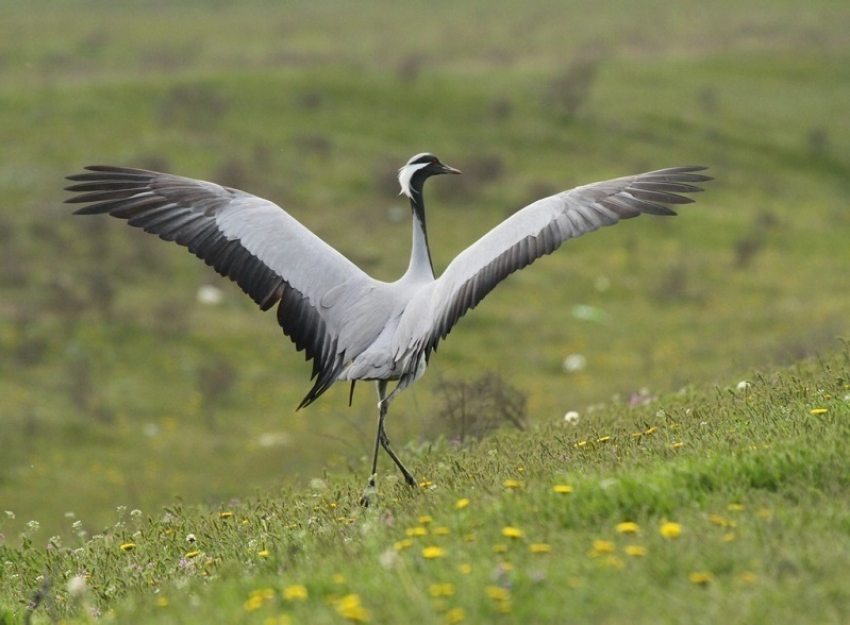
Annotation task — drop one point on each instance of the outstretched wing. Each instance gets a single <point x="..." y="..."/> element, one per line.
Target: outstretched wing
<point x="252" y="241"/>
<point x="540" y="228"/>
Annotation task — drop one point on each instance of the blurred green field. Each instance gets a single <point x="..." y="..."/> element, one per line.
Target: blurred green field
<point x="103" y="343"/>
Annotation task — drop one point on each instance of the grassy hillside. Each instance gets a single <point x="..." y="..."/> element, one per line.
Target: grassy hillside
<point x="714" y="504"/>
<point x="105" y="348"/>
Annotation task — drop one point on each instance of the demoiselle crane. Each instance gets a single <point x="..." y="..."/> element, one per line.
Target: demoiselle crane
<point x="352" y="326"/>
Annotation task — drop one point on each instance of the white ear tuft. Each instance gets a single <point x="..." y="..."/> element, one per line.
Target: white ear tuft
<point x="405" y="175"/>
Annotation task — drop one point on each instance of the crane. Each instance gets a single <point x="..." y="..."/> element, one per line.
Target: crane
<point x="352" y="326"/>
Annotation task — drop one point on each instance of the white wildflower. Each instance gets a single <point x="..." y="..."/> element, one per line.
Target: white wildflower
<point x="77" y="587"/>
<point x="574" y="363"/>
<point x="388" y="558"/>
<point x="209" y="295"/>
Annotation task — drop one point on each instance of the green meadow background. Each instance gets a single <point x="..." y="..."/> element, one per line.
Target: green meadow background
<point x="119" y="387"/>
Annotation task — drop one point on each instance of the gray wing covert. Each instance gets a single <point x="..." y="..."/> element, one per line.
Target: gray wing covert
<point x="540" y="228"/>
<point x="268" y="253"/>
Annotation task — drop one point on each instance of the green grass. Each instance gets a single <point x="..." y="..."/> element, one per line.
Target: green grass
<point x="755" y="477"/>
<point x="104" y="348"/>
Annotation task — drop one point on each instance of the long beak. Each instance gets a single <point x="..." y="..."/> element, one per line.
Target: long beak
<point x="450" y="170"/>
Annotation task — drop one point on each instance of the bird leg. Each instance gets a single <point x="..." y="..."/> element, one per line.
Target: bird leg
<point x="385" y="443"/>
<point x="381" y="440"/>
<point x="371" y="486"/>
<point x="382" y="434"/>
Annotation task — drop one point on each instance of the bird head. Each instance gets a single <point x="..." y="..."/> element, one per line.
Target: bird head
<point x="414" y="173"/>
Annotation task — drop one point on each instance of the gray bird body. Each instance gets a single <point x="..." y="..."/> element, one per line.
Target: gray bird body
<point x="352" y="326"/>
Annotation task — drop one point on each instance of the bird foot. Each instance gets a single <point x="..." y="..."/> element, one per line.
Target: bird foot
<point x="410" y="480"/>
<point x="370" y="493"/>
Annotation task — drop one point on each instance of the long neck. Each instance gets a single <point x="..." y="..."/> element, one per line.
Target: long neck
<point x="420" y="255"/>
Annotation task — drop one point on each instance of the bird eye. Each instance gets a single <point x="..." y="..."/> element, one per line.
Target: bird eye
<point x="434" y="161"/>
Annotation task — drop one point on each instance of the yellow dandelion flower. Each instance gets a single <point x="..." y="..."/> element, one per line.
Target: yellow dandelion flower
<point x="256" y="599"/>
<point x="580" y="444"/>
<point x="425" y="519"/>
<point x="263" y="553"/>
<point x="497" y="593"/>
<point x="562" y="489"/>
<point x="295" y="592"/>
<point x="728" y="537"/>
<point x="416" y="531"/>
<point x="512" y="484"/>
<point x="245" y="521"/>
<point x="192" y="554"/>
<point x="817" y="411"/>
<point x="700" y="577"/>
<point x="455" y="615"/>
<point x="351" y="608"/>
<point x="442" y="531"/>
<point x="636" y="551"/>
<point x="603" y="439"/>
<point x="627" y="527"/>
<point x="512" y="532"/>
<point x="716" y="519"/>
<point x="162" y="602"/>
<point x="441" y="590"/>
<point x="671" y="530"/>
<point x="128" y="546"/>
<point x="403" y="544"/>
<point x="676" y="445"/>
<point x="601" y="547"/>
<point x="465" y="569"/>
<point x="226" y="514"/>
<point x="735" y="507"/>
<point x="460" y="504"/>
<point x="539" y="548"/>
<point x="430" y="553"/>
<point x="426" y="484"/>
<point x="650" y="430"/>
<point x="604" y="546"/>
<point x="637" y="434"/>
